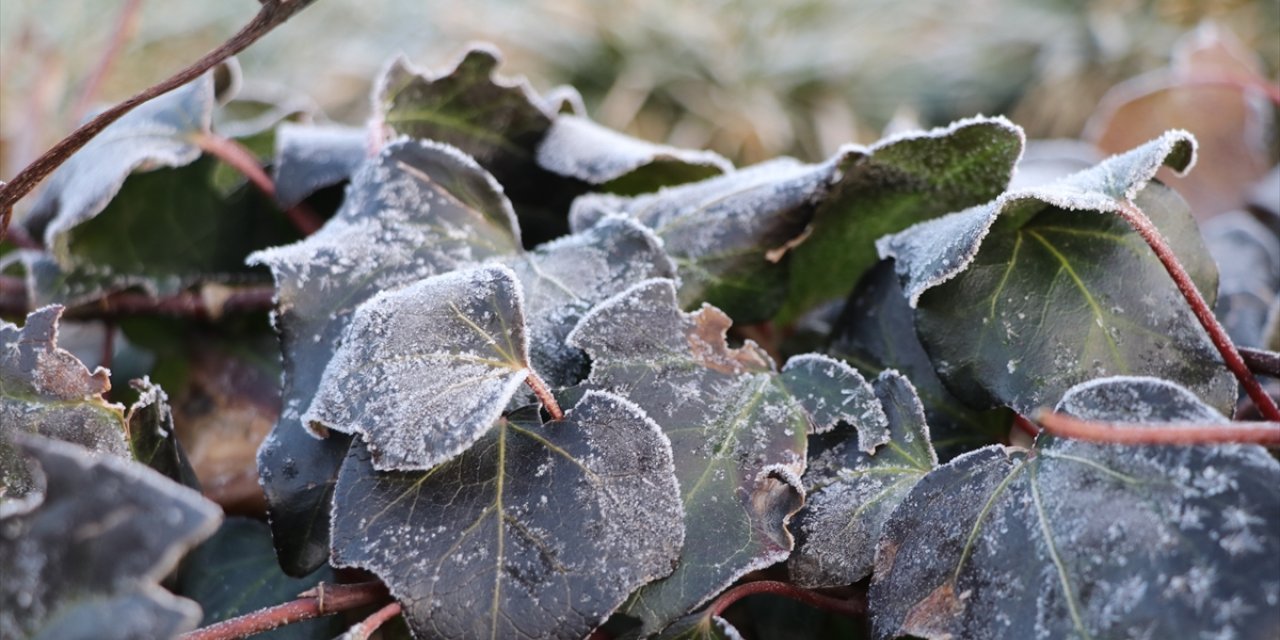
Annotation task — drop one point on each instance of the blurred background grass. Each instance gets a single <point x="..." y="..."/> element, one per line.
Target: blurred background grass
<point x="750" y="79"/>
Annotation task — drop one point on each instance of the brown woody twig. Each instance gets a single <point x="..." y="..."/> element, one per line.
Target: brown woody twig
<point x="1261" y="362"/>
<point x="544" y="396"/>
<point x="238" y="157"/>
<point x="1266" y="434"/>
<point x="366" y="627"/>
<point x="322" y="601"/>
<point x="210" y="303"/>
<point x="272" y="14"/>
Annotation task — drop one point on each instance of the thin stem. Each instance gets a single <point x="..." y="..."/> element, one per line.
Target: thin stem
<point x="272" y="14"/>
<point x="847" y="608"/>
<point x="108" y="345"/>
<point x="1026" y="426"/>
<point x="365" y="628"/>
<point x="1143" y="225"/>
<point x="1266" y="434"/>
<point x="240" y="158"/>
<point x="210" y="303"/>
<point x="544" y="396"/>
<point x="1262" y="362"/>
<point x="119" y="35"/>
<point x="322" y="601"/>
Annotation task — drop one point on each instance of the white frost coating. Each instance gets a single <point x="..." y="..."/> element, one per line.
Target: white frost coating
<point x="932" y="252"/>
<point x="1139" y="399"/>
<point x="427" y="369"/>
<point x="582" y="149"/>
<point x="830" y="391"/>
<point x="311" y="157"/>
<point x="944" y="132"/>
<point x="598" y="314"/>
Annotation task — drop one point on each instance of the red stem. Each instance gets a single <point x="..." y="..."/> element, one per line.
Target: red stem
<point x="211" y="303"/>
<point x="240" y="158"/>
<point x="321" y="601"/>
<point x="366" y="628"/>
<point x="123" y="29"/>
<point x="1262" y="362"/>
<point x="1142" y="224"/>
<point x="269" y="16"/>
<point x="543" y="394"/>
<point x="847" y="608"/>
<point x="1026" y="426"/>
<point x="1266" y="434"/>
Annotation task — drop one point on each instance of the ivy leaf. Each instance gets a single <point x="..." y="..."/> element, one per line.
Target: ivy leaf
<point x="897" y="182"/>
<point x="537" y="531"/>
<point x="1088" y="540"/>
<point x="875" y="332"/>
<point x="579" y="148"/>
<point x="1248" y="257"/>
<point x="235" y="572"/>
<point x="561" y="280"/>
<point x="44" y="389"/>
<point x="435" y="364"/>
<point x="152" y="437"/>
<point x="1018" y="300"/>
<point x="415" y="210"/>
<point x="312" y="157"/>
<point x="736" y="426"/>
<point x="85" y="561"/>
<point x="850" y="493"/>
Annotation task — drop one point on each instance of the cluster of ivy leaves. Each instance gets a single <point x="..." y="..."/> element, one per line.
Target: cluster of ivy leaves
<point x="485" y="239"/>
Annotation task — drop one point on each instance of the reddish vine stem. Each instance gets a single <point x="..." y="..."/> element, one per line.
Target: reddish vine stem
<point x="240" y="158"/>
<point x="848" y="608"/>
<point x="1143" y="225"/>
<point x="209" y="304"/>
<point x="544" y="396"/>
<point x="1026" y="426"/>
<point x="322" y="601"/>
<point x="1262" y="362"/>
<point x="366" y="627"/>
<point x="272" y="14"/>
<point x="1266" y="434"/>
<point x="125" y="22"/>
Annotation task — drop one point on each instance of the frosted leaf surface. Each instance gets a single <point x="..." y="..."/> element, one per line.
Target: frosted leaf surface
<point x="850" y="493"/>
<point x="85" y="563"/>
<point x="737" y="432"/>
<point x="312" y="157"/>
<point x="1020" y="299"/>
<point x="45" y="389"/>
<point x="899" y="181"/>
<point x="427" y="368"/>
<point x="1088" y="540"/>
<point x="537" y="531"/>
<point x="152" y="437"/>
<point x="563" y="279"/>
<point x="415" y="210"/>
<point x="579" y="148"/>
<point x="1248" y="257"/>
<point x="298" y="474"/>
<point x="719" y="231"/>
<point x="831" y="391"/>
<point x="876" y="331"/>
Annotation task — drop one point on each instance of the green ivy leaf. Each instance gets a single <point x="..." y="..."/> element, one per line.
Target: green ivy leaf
<point x="83" y="563"/>
<point x="537" y="531"/>
<point x="152" y="437"/>
<point x="298" y="474"/>
<point x="850" y="493"/>
<point x="1247" y="253"/>
<point x="896" y="183"/>
<point x="875" y="332"/>
<point x="235" y="572"/>
<point x="1019" y="299"/>
<point x="737" y="429"/>
<point x="1088" y="540"/>
<point x="46" y="390"/>
<point x="311" y="157"/>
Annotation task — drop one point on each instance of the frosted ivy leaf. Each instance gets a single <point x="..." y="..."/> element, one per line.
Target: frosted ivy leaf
<point x="537" y="531"/>
<point x="152" y="437"/>
<point x="85" y="562"/>
<point x="1248" y="257"/>
<point x="44" y="389"/>
<point x="415" y="210"/>
<point x="894" y="183"/>
<point x="1075" y="539"/>
<point x="427" y="368"/>
<point x="577" y="147"/>
<point x="311" y="157"/>
<point x="852" y="493"/>
<point x="721" y="231"/>
<point x="563" y="279"/>
<point x="1041" y="289"/>
<point x="736" y="426"/>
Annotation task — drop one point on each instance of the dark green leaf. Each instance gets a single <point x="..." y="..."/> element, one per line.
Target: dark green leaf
<point x="896" y="183"/>
<point x="235" y="572"/>
<point x="1020" y="299"/>
<point x="44" y="389"/>
<point x="311" y="157"/>
<point x="1248" y="257"/>
<point x="737" y="430"/>
<point x="876" y="332"/>
<point x="1075" y="539"/>
<point x="152" y="437"/>
<point x="850" y="493"/>
<point x="428" y="368"/>
<point x="298" y="474"/>
<point x="537" y="531"/>
<point x="84" y="562"/>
